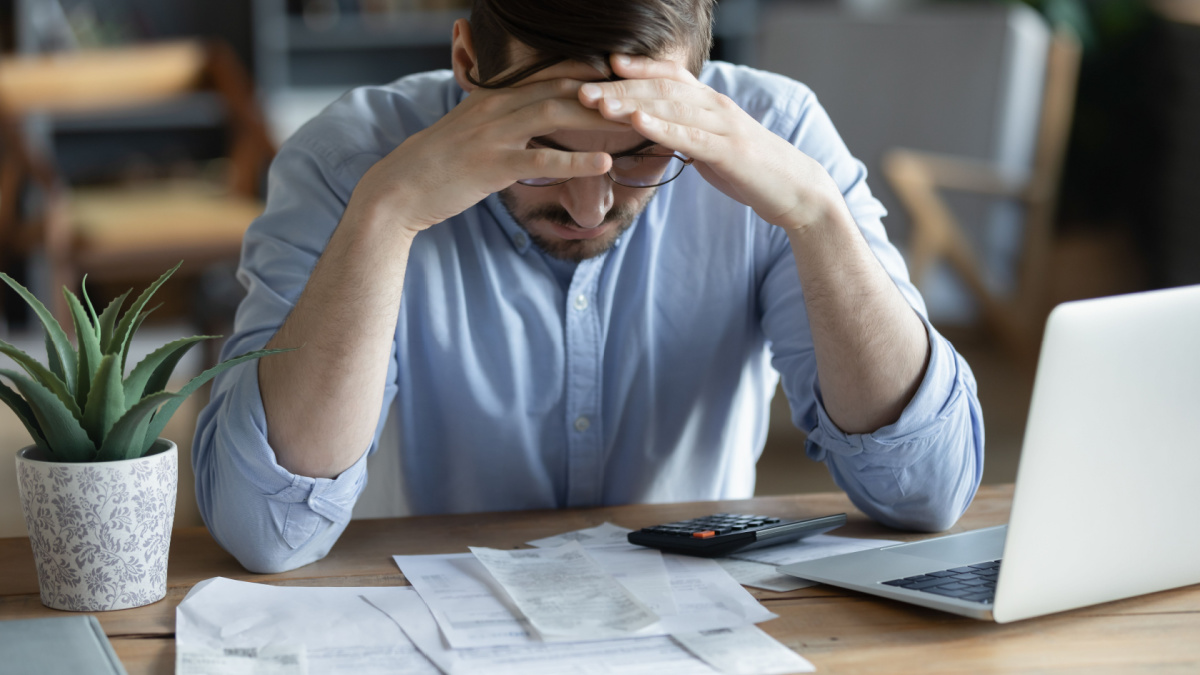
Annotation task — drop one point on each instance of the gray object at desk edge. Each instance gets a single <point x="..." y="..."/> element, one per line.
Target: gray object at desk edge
<point x="64" y="645"/>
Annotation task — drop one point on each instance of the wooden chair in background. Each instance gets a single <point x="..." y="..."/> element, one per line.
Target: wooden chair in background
<point x="125" y="233"/>
<point x="917" y="177"/>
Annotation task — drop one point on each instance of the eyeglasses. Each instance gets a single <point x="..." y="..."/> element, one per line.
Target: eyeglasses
<point x="635" y="170"/>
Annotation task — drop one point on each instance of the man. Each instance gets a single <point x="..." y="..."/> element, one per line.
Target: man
<point x="572" y="268"/>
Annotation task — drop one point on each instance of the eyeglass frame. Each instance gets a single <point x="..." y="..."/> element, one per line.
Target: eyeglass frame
<point x="687" y="161"/>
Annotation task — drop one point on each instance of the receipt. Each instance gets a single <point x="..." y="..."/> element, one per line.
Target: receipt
<point x="641" y="570"/>
<point x="565" y="594"/>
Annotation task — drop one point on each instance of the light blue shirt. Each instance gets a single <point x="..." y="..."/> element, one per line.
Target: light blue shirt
<point x="644" y="376"/>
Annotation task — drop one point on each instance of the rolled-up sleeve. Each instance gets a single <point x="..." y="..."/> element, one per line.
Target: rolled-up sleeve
<point x="269" y="518"/>
<point x="922" y="471"/>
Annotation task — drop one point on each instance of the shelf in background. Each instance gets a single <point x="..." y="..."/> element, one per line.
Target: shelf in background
<point x="412" y="29"/>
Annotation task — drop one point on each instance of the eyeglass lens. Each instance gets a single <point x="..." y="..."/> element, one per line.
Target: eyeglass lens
<point x="632" y="171"/>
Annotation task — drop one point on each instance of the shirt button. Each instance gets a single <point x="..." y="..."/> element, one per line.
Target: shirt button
<point x="520" y="240"/>
<point x="581" y="302"/>
<point x="582" y="423"/>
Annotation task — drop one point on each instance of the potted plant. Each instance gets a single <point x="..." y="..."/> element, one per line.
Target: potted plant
<point x="98" y="484"/>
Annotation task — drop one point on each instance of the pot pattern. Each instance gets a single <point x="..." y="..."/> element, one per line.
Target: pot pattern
<point x="100" y="531"/>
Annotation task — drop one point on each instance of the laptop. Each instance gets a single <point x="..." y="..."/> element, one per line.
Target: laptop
<point x="1107" y="500"/>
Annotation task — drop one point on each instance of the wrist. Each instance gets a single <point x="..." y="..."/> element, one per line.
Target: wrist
<point x="381" y="221"/>
<point x="813" y="210"/>
<point x="815" y="198"/>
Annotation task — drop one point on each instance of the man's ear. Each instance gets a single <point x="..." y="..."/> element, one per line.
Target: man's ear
<point x="462" y="55"/>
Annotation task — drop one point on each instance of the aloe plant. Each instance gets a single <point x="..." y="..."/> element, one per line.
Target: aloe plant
<point x="81" y="406"/>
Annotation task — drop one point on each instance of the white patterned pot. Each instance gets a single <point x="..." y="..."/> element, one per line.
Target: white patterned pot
<point x="100" y="530"/>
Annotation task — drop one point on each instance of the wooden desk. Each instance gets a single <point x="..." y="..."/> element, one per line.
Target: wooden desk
<point x="839" y="631"/>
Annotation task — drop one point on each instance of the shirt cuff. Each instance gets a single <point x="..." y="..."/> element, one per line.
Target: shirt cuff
<point x="935" y="398"/>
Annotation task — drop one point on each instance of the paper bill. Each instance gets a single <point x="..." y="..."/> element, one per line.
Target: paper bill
<point x="642" y="571"/>
<point x="565" y="594"/>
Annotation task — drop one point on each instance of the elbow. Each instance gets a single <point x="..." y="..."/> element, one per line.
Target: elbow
<point x="261" y="560"/>
<point x="934" y="506"/>
<point x="264" y="551"/>
<point x="928" y="496"/>
<point x="256" y="532"/>
<point x="927" y="517"/>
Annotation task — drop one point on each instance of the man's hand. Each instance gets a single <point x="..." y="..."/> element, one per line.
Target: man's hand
<point x="664" y="102"/>
<point x="871" y="348"/>
<point x="481" y="147"/>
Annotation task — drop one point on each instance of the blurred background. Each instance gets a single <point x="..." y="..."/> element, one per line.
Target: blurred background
<point x="1028" y="152"/>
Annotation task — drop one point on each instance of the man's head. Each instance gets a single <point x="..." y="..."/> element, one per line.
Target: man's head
<point x="512" y="42"/>
<point x="586" y="31"/>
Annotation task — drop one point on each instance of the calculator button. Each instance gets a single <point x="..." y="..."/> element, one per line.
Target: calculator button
<point x="707" y="534"/>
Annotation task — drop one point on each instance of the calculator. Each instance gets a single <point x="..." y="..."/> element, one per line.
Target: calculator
<point x="725" y="533"/>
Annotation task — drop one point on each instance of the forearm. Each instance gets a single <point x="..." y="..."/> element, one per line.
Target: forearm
<point x="322" y="400"/>
<point x="871" y="348"/>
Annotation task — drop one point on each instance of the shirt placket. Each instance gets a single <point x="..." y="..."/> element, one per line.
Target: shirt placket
<point x="584" y="428"/>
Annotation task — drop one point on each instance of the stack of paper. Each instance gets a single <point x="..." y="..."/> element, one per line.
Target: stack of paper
<point x="583" y="602"/>
<point x="615" y="607"/>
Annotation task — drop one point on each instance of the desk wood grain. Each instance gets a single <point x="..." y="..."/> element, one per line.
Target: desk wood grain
<point x="839" y="631"/>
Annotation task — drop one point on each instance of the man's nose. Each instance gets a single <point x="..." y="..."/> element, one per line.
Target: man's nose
<point x="588" y="200"/>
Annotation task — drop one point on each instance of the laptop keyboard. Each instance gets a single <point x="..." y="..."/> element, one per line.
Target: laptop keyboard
<point x="976" y="583"/>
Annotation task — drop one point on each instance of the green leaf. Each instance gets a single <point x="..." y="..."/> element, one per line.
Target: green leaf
<point x="24" y="413"/>
<point x="64" y="434"/>
<point x="125" y="327"/>
<point x="91" y="310"/>
<point x="53" y="362"/>
<point x="164" y="415"/>
<point x="89" y="347"/>
<point x="151" y="375"/>
<point x="106" y="403"/>
<point x="43" y="376"/>
<point x="63" y="352"/>
<point x="124" y="439"/>
<point x="108" y="320"/>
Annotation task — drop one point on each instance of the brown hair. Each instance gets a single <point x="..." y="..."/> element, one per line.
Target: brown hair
<point x="587" y="31"/>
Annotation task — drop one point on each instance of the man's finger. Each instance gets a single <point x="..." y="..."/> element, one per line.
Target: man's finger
<point x="592" y="93"/>
<point x="643" y="67"/>
<point x="672" y="111"/>
<point x="550" y="163"/>
<point x="496" y="102"/>
<point x="541" y="118"/>
<point x="692" y="141"/>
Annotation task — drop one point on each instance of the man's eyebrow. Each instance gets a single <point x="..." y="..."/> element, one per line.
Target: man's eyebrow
<point x="545" y="142"/>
